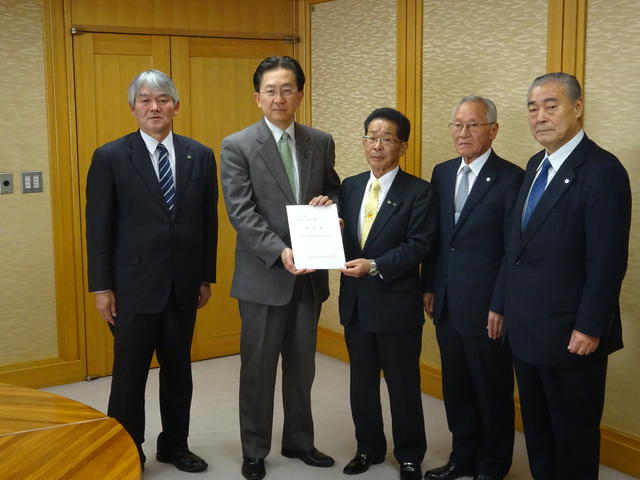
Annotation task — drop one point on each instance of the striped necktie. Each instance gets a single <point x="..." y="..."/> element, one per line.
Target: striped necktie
<point x="166" y="177"/>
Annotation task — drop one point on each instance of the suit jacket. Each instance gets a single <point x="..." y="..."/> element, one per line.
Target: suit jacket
<point x="463" y="270"/>
<point x="564" y="271"/>
<point x="256" y="192"/>
<point x="400" y="237"/>
<point x="135" y="246"/>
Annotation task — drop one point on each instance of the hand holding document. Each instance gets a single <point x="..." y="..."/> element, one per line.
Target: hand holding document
<point x="316" y="238"/>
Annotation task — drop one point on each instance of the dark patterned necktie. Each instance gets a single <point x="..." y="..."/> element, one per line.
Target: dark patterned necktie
<point x="536" y="192"/>
<point x="166" y="177"/>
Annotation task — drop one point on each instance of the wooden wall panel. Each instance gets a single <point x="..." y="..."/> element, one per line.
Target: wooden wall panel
<point x="247" y="16"/>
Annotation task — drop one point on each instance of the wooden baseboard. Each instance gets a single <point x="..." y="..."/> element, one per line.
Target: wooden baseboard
<point x="43" y="373"/>
<point x="618" y="450"/>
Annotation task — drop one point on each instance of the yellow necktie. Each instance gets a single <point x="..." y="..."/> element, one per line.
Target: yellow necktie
<point x="370" y="210"/>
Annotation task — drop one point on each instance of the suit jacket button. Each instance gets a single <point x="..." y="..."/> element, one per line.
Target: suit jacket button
<point x="518" y="261"/>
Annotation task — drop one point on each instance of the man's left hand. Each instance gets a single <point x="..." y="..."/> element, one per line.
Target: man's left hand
<point x="320" y="201"/>
<point x="205" y="294"/>
<point x="582" y="344"/>
<point x="495" y="323"/>
<point x="356" y="268"/>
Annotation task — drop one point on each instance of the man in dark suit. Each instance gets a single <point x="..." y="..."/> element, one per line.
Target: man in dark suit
<point x="566" y="259"/>
<point x="265" y="167"/>
<point x="476" y="192"/>
<point x="151" y="248"/>
<point x="390" y="225"/>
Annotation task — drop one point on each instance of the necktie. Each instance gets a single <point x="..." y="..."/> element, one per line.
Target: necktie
<point x="370" y="210"/>
<point x="166" y="177"/>
<point x="536" y="192"/>
<point x="462" y="193"/>
<point x="287" y="160"/>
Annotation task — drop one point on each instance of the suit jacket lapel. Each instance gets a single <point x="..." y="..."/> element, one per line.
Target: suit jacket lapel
<point x="270" y="155"/>
<point x="486" y="179"/>
<point x="184" y="165"/>
<point x="561" y="181"/>
<point x="388" y="207"/>
<point x="352" y="214"/>
<point x="139" y="156"/>
<point x="447" y="192"/>
<point x="304" y="152"/>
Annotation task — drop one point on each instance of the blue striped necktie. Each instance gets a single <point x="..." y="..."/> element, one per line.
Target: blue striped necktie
<point x="536" y="192"/>
<point x="166" y="177"/>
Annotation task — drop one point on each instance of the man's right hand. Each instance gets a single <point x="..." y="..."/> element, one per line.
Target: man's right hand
<point x="106" y="305"/>
<point x="287" y="260"/>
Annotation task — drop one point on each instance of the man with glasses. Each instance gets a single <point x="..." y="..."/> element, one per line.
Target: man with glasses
<point x="476" y="192"/>
<point x="390" y="225"/>
<point x="565" y="262"/>
<point x="265" y="167"/>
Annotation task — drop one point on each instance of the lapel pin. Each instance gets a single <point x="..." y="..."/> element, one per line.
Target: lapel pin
<point x="566" y="180"/>
<point x="488" y="179"/>
<point x="189" y="157"/>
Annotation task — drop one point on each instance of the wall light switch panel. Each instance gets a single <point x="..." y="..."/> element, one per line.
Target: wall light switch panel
<point x="31" y="182"/>
<point x="6" y="183"/>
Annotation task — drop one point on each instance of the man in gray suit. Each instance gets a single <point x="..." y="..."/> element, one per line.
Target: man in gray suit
<point x="265" y="167"/>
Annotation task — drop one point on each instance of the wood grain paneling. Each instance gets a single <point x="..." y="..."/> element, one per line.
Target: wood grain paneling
<point x="248" y="16"/>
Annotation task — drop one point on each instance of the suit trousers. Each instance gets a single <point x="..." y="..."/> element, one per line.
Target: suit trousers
<point x="269" y="332"/>
<point x="477" y="384"/>
<point x="561" y="412"/>
<point x="136" y="336"/>
<point x="397" y="354"/>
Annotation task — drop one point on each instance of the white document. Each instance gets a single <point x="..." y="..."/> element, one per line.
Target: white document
<point x="316" y="238"/>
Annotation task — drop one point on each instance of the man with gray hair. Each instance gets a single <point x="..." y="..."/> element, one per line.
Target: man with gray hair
<point x="151" y="248"/>
<point x="565" y="262"/>
<point x="475" y="193"/>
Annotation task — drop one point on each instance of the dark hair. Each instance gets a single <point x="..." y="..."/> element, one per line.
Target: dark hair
<point x="402" y="123"/>
<point x="272" y="63"/>
<point x="570" y="84"/>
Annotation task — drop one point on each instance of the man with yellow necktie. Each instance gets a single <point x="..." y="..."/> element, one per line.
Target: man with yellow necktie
<point x="390" y="226"/>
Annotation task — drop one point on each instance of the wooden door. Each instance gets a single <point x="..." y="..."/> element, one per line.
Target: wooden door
<point x="104" y="65"/>
<point x="214" y="77"/>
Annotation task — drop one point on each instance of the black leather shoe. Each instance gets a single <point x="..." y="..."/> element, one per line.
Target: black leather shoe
<point x="313" y="457"/>
<point x="410" y="471"/>
<point x="253" y="468"/>
<point x="450" y="471"/>
<point x="360" y="464"/>
<point x="183" y="460"/>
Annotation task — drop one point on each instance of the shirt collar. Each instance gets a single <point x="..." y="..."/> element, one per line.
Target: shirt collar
<point x="277" y="131"/>
<point x="477" y="164"/>
<point x="152" y="143"/>
<point x="385" y="180"/>
<point x="557" y="158"/>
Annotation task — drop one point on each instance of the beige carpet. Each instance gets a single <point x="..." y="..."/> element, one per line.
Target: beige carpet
<point x="214" y="426"/>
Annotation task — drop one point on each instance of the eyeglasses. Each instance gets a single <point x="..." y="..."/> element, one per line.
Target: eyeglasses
<point x="385" y="141"/>
<point x="285" y="92"/>
<point x="457" y="127"/>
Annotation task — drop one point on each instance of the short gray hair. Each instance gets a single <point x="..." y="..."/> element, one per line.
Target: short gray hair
<point x="490" y="107"/>
<point x="155" y="80"/>
<point x="570" y="84"/>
